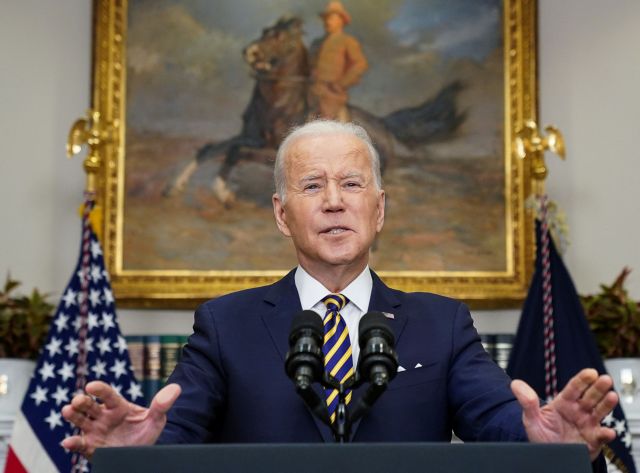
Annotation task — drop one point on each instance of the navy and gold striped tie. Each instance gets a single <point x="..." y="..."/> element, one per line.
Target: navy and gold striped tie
<point x="338" y="361"/>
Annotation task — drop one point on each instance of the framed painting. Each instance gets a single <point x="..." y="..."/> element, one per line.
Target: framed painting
<point x="187" y="88"/>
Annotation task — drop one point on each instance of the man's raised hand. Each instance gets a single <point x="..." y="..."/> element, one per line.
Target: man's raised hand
<point x="574" y="415"/>
<point x="115" y="421"/>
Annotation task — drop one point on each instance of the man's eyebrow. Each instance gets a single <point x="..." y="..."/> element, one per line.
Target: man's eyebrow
<point x="310" y="177"/>
<point x="352" y="174"/>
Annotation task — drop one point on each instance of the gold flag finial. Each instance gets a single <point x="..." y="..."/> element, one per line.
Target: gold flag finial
<point x="531" y="144"/>
<point x="93" y="132"/>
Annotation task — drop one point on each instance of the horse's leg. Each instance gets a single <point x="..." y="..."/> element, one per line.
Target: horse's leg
<point x="205" y="153"/>
<point x="179" y="183"/>
<point x="219" y="186"/>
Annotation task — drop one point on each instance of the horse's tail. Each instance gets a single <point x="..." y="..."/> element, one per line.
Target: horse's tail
<point x="435" y="119"/>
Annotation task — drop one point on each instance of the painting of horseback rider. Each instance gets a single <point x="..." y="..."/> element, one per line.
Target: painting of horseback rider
<point x="293" y="85"/>
<point x="212" y="91"/>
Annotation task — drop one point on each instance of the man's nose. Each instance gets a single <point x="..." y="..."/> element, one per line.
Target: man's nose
<point x="333" y="198"/>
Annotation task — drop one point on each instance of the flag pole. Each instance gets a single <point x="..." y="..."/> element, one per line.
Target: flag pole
<point x="93" y="132"/>
<point x="96" y="133"/>
<point x="531" y="145"/>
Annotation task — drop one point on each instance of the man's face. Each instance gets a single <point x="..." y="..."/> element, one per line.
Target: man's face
<point x="333" y="209"/>
<point x="333" y="22"/>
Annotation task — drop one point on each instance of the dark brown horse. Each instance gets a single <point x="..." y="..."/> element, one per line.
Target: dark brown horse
<point x="278" y="61"/>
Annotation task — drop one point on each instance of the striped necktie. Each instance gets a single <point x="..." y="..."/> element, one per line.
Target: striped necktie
<point x="338" y="361"/>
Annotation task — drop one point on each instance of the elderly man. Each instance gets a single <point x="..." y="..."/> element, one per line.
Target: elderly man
<point x="231" y="386"/>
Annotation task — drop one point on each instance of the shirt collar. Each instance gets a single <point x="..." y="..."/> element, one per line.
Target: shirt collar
<point x="311" y="291"/>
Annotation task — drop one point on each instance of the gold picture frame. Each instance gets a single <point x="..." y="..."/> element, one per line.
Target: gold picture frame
<point x="185" y="288"/>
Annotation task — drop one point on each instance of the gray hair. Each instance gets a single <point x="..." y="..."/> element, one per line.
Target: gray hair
<point x="319" y="128"/>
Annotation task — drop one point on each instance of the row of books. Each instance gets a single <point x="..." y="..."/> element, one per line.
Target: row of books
<point x="499" y="346"/>
<point x="153" y="358"/>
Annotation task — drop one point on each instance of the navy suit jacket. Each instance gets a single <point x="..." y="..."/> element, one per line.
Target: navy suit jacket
<point x="234" y="386"/>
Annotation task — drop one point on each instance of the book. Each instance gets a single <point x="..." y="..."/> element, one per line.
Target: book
<point x="135" y="344"/>
<point x="502" y="349"/>
<point x="498" y="346"/>
<point x="152" y="373"/>
<point x="153" y="359"/>
<point x="488" y="341"/>
<point x="170" y="350"/>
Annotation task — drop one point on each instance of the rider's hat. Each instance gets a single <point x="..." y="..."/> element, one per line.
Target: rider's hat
<point x="336" y="7"/>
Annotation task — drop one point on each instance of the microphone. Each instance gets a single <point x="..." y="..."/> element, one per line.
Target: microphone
<point x="378" y="362"/>
<point x="304" y="360"/>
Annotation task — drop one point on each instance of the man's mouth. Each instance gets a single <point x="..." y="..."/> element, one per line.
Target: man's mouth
<point x="335" y="230"/>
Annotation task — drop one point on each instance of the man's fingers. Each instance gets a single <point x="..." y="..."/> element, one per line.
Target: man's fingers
<point x="526" y="396"/>
<point x="75" y="443"/>
<point x="86" y="405"/>
<point x="605" y="435"/>
<point x="163" y="401"/>
<point x="577" y="385"/>
<point x="596" y="392"/>
<point x="606" y="405"/>
<point x="76" y="417"/>
<point x="108" y="395"/>
<point x="78" y="443"/>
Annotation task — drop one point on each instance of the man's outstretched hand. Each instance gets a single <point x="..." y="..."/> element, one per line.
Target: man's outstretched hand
<point x="116" y="421"/>
<point x="574" y="415"/>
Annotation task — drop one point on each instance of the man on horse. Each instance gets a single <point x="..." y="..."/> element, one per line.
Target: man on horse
<point x="337" y="63"/>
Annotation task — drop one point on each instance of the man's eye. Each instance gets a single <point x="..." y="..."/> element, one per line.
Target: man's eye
<point x="311" y="187"/>
<point x="352" y="184"/>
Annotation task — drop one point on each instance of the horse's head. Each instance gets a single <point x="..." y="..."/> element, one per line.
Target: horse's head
<point x="277" y="42"/>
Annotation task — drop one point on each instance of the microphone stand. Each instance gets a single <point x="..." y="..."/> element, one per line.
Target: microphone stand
<point x="341" y="426"/>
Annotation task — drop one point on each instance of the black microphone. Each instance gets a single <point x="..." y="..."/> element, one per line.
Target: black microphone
<point x="304" y="360"/>
<point x="378" y="361"/>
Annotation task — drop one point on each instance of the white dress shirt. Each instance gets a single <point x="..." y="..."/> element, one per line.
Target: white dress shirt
<point x="311" y="293"/>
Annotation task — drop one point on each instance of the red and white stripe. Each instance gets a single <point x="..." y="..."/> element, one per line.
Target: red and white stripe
<point x="26" y="453"/>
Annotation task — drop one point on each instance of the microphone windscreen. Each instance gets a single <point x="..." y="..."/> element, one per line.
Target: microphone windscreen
<point x="307" y="319"/>
<point x="374" y="321"/>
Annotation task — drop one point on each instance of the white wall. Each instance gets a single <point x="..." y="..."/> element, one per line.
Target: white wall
<point x="589" y="76"/>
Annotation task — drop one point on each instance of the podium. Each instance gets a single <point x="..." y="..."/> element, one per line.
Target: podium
<point x="351" y="458"/>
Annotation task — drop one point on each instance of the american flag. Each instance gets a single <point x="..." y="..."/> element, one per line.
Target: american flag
<point x="575" y="347"/>
<point x="84" y="344"/>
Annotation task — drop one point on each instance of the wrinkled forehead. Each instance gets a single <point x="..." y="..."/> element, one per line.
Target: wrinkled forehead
<point x="328" y="146"/>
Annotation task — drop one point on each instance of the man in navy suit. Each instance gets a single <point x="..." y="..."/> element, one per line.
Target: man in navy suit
<point x="231" y="385"/>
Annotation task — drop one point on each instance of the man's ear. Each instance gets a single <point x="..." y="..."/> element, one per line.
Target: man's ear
<point x="380" y="209"/>
<point x="280" y="215"/>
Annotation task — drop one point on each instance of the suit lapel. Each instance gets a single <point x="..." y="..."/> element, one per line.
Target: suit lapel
<point x="285" y="302"/>
<point x="383" y="299"/>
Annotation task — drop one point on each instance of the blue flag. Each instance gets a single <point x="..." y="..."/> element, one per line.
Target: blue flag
<point x="575" y="346"/>
<point x="84" y="344"/>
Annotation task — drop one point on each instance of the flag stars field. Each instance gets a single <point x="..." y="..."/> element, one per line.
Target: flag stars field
<point x="39" y="427"/>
